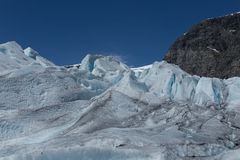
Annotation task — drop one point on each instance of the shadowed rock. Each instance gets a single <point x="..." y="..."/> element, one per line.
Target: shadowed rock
<point x="210" y="48"/>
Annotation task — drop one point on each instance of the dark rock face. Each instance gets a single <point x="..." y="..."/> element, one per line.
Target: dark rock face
<point x="211" y="48"/>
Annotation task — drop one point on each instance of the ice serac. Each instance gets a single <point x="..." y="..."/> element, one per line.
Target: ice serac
<point x="102" y="109"/>
<point x="166" y="80"/>
<point x="169" y="81"/>
<point x="160" y="79"/>
<point x="209" y="90"/>
<point x="87" y="63"/>
<point x="105" y="67"/>
<point x="36" y="56"/>
<point x="233" y="87"/>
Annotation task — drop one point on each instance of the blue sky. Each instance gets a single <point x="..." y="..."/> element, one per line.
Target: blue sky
<point x="139" y="31"/>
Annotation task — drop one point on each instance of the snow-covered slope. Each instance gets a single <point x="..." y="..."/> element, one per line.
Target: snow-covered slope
<point x="102" y="109"/>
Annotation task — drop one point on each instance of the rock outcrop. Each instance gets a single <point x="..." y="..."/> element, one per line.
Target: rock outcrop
<point x="210" y="48"/>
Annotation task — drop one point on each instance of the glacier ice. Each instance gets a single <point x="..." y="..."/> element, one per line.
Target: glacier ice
<point x="102" y="109"/>
<point x="38" y="59"/>
<point x="12" y="57"/>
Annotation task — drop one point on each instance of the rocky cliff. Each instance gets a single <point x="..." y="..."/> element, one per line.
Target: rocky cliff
<point x="210" y="48"/>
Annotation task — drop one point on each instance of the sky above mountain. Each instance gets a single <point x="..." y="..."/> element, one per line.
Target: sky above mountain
<point x="139" y="31"/>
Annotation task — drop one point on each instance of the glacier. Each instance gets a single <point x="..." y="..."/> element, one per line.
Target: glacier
<point x="103" y="109"/>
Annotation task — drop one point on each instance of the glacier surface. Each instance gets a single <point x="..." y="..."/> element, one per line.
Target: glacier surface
<point x="103" y="109"/>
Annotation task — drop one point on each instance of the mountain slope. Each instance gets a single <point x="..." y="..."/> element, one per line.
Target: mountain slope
<point x="210" y="48"/>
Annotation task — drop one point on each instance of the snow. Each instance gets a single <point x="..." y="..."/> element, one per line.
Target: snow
<point x="213" y="49"/>
<point x="232" y="14"/>
<point x="87" y="153"/>
<point x="102" y="109"/>
<point x="139" y="70"/>
<point x="232" y="30"/>
<point x="231" y="155"/>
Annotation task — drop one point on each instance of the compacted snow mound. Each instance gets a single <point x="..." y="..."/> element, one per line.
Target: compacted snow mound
<point x="102" y="109"/>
